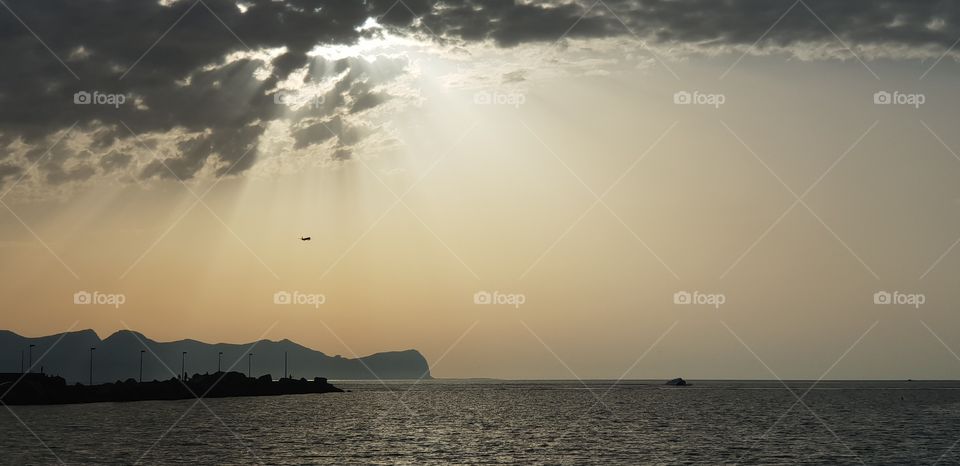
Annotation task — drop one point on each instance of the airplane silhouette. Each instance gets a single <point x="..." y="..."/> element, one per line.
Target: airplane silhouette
<point x="304" y="238"/>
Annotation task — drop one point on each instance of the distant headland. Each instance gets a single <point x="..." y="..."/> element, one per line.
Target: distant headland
<point x="83" y="357"/>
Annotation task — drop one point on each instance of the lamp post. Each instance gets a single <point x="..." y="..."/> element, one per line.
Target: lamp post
<point x="183" y="357"/>
<point x="92" y="348"/>
<point x="219" y="358"/>
<point x="249" y="358"/>
<point x="30" y="352"/>
<point x="141" y="365"/>
<point x="284" y="365"/>
<point x="21" y="361"/>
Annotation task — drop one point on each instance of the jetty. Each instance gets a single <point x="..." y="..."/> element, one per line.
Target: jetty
<point x="42" y="389"/>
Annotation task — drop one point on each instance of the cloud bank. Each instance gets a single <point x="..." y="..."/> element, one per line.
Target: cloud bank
<point x="201" y="81"/>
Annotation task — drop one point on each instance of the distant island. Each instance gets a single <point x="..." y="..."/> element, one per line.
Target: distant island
<point x="118" y="357"/>
<point x="37" y="389"/>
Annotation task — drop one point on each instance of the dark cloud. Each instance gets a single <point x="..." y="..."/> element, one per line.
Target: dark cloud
<point x="170" y="62"/>
<point x="8" y="171"/>
<point x="367" y="101"/>
<point x="185" y="84"/>
<point x="323" y="131"/>
<point x="341" y="154"/>
<point x="57" y="174"/>
<point x="115" y="160"/>
<point x="315" y="133"/>
<point x="232" y="148"/>
<point x="514" y="76"/>
<point x="858" y="22"/>
<point x="61" y="165"/>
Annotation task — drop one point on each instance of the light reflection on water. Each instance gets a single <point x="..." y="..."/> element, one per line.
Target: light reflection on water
<point x="508" y="422"/>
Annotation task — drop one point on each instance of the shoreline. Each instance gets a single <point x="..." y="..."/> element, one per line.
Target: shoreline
<point x="41" y="389"/>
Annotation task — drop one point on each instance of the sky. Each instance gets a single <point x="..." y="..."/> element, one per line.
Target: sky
<point x="641" y="189"/>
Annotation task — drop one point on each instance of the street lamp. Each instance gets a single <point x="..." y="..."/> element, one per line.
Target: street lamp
<point x="141" y="365"/>
<point x="183" y="357"/>
<point x="249" y="357"/>
<point x="92" y="348"/>
<point x="30" y="366"/>
<point x="219" y="358"/>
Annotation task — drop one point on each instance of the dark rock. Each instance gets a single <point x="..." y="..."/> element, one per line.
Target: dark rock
<point x="677" y="382"/>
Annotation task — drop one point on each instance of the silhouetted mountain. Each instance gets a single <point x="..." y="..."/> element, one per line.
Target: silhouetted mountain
<point x="118" y="358"/>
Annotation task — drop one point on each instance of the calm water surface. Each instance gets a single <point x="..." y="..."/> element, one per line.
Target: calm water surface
<point x="480" y="422"/>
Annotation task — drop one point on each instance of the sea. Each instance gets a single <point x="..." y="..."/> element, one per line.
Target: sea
<point x="509" y="422"/>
